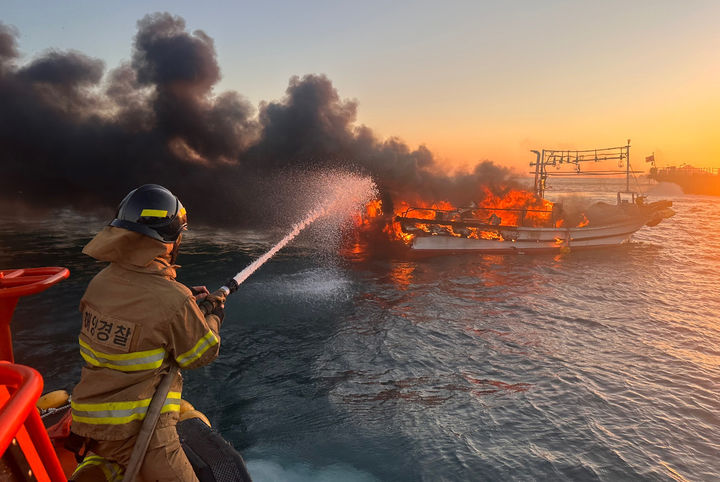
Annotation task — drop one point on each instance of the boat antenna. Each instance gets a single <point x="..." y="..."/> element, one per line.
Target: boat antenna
<point x="627" y="167"/>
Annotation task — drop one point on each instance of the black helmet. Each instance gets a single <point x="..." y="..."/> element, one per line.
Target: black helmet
<point x="153" y="211"/>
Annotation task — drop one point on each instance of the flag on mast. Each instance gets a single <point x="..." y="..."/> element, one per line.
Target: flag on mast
<point x="650" y="158"/>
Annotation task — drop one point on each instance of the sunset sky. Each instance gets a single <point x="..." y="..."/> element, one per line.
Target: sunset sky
<point x="470" y="80"/>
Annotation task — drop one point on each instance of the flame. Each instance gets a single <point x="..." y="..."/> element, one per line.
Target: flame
<point x="373" y="217"/>
<point x="394" y="230"/>
<point x="373" y="208"/>
<point x="513" y="208"/>
<point x="530" y="210"/>
<point x="584" y="222"/>
<point x="419" y="210"/>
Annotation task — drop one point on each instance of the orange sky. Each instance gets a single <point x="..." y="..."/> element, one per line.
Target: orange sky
<point x="668" y="108"/>
<point x="498" y="82"/>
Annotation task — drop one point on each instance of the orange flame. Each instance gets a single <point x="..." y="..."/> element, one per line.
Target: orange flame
<point x="528" y="209"/>
<point x="373" y="217"/>
<point x="514" y="208"/>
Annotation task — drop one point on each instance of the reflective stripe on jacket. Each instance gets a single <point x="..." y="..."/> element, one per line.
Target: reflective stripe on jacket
<point x="135" y="319"/>
<point x="116" y="413"/>
<point x="129" y="362"/>
<point x="111" y="471"/>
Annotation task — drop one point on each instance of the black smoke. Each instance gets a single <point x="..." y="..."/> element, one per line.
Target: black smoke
<point x="74" y="135"/>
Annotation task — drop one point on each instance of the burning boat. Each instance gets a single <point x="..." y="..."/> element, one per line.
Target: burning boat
<point x="529" y="223"/>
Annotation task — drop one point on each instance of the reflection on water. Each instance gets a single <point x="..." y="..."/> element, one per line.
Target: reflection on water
<point x="402" y="274"/>
<point x="578" y="366"/>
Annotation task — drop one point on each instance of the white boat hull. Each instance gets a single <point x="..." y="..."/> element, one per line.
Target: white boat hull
<point x="525" y="239"/>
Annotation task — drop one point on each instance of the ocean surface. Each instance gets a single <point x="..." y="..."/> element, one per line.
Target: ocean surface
<point x="591" y="365"/>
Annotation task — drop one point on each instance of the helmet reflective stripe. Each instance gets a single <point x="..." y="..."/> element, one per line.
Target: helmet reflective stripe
<point x="118" y="413"/>
<point x="125" y="362"/>
<point x="153" y="213"/>
<point x="198" y="350"/>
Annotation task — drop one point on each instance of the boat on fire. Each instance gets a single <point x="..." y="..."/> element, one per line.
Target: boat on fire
<point x="537" y="225"/>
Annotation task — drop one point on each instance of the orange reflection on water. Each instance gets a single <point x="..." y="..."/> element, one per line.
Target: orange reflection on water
<point x="355" y="250"/>
<point x="402" y="274"/>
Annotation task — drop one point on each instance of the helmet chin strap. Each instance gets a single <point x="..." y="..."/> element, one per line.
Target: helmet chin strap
<point x="175" y="250"/>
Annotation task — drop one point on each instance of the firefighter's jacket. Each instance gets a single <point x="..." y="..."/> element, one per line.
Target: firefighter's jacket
<point x="136" y="319"/>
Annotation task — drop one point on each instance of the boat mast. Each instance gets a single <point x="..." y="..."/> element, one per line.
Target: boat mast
<point x="538" y="189"/>
<point x="627" y="167"/>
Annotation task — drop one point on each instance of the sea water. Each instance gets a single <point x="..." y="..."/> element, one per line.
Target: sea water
<point x="593" y="365"/>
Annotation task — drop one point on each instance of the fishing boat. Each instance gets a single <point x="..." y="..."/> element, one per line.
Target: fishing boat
<point x="35" y="429"/>
<point x="538" y="226"/>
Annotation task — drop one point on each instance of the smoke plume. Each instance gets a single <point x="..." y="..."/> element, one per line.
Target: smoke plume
<point x="74" y="135"/>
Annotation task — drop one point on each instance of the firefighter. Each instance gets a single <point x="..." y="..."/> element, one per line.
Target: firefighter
<point x="138" y="323"/>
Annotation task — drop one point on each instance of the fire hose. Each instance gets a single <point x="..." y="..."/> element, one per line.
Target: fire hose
<point x="148" y="426"/>
<point x="214" y="299"/>
<point x="208" y="305"/>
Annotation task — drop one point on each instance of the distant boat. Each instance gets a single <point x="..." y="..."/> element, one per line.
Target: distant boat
<point x="692" y="180"/>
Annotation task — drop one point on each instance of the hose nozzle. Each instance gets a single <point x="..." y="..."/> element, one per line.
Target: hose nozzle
<point x="229" y="287"/>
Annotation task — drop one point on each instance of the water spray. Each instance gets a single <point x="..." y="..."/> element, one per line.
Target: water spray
<point x="232" y="284"/>
<point x="348" y="193"/>
<point x="343" y="194"/>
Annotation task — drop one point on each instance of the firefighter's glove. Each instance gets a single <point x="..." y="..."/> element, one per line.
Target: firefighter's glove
<point x="199" y="292"/>
<point x="219" y="311"/>
<point x="214" y="304"/>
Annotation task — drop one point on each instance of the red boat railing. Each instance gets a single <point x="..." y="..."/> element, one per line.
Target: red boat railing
<point x="15" y="283"/>
<point x="22" y="428"/>
<point x="25" y="448"/>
